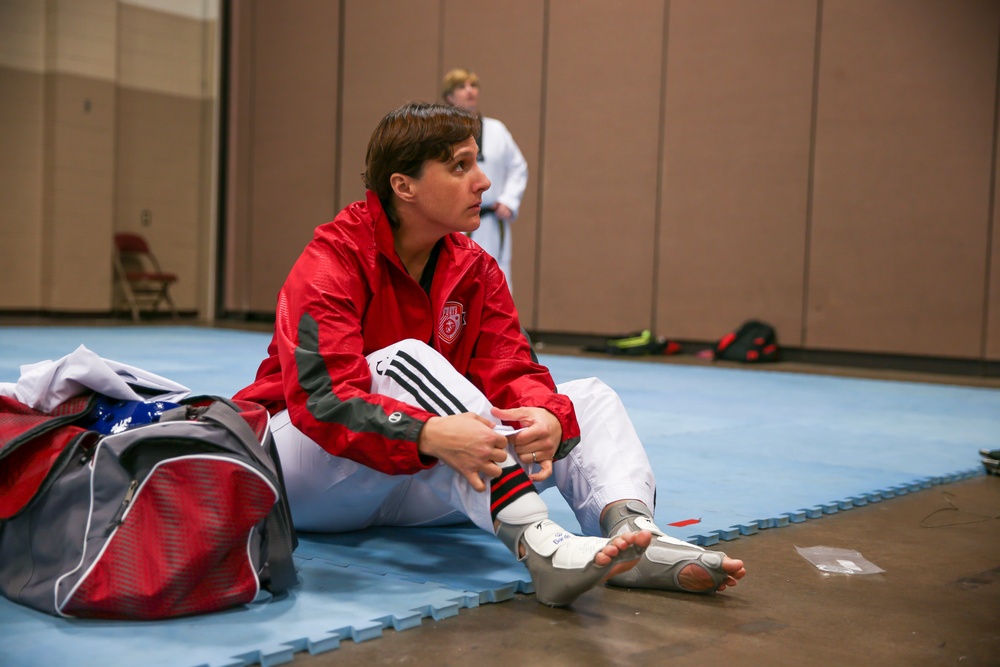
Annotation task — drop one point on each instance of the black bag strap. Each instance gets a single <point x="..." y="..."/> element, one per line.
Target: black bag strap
<point x="281" y="568"/>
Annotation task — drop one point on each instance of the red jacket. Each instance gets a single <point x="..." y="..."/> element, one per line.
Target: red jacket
<point x="347" y="296"/>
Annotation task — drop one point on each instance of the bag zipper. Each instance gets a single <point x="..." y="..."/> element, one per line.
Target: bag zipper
<point x="117" y="520"/>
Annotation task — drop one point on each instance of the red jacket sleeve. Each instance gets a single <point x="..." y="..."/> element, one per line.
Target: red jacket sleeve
<point x="317" y="357"/>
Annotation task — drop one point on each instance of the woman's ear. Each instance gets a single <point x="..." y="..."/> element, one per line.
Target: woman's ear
<point x="402" y="186"/>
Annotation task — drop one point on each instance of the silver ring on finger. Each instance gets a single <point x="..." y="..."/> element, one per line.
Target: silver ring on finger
<point x="534" y="458"/>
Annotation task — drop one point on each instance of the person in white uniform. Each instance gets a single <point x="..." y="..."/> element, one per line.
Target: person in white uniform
<point x="502" y="162"/>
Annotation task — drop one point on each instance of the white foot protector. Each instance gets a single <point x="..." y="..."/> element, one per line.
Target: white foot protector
<point x="661" y="564"/>
<point x="561" y="564"/>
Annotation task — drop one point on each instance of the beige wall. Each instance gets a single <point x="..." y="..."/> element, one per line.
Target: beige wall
<point x="827" y="166"/>
<point x="904" y="143"/>
<point x="78" y="192"/>
<point x="489" y="51"/>
<point x="22" y="105"/>
<point x="991" y="329"/>
<point x="390" y="57"/>
<point x="600" y="175"/>
<point x="283" y="143"/>
<point x="106" y="111"/>
<point x="735" y="184"/>
<point x="823" y="166"/>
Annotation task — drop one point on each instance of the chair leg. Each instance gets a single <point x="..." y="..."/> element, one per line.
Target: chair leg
<point x="173" y="308"/>
<point x="132" y="303"/>
<point x="164" y="296"/>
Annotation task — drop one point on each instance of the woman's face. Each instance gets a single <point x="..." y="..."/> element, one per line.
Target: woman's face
<point x="447" y="196"/>
<point x="465" y="96"/>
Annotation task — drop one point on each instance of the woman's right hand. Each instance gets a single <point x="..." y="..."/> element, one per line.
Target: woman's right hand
<point x="466" y="443"/>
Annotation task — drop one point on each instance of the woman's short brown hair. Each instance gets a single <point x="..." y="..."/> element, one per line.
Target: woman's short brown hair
<point x="409" y="136"/>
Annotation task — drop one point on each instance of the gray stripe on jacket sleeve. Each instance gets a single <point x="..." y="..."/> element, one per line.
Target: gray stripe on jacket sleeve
<point x="356" y="414"/>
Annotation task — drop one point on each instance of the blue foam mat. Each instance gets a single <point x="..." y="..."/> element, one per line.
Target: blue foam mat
<point x="739" y="450"/>
<point x="330" y="604"/>
<point x="462" y="557"/>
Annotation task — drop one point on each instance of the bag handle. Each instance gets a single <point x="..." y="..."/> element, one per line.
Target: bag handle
<point x="225" y="414"/>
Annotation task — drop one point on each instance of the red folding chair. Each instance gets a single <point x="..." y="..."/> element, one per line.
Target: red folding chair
<point x="139" y="280"/>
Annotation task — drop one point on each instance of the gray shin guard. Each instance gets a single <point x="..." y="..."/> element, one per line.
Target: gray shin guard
<point x="661" y="564"/>
<point x="561" y="564"/>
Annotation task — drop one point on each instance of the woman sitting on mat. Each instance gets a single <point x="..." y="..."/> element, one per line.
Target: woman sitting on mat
<point x="398" y="357"/>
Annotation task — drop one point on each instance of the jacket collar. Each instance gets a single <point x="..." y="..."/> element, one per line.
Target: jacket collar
<point x="382" y="229"/>
<point x="384" y="240"/>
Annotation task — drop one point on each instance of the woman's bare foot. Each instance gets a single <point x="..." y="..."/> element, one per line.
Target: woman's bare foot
<point x="669" y="564"/>
<point x="619" y="544"/>
<point x="695" y="578"/>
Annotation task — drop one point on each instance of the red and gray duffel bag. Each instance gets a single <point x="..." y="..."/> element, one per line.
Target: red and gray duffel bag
<point x="183" y="516"/>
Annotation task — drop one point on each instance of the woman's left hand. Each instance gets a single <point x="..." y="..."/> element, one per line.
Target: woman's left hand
<point x="503" y="212"/>
<point x="538" y="439"/>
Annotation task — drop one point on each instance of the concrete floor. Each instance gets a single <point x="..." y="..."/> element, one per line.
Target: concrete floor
<point x="938" y="603"/>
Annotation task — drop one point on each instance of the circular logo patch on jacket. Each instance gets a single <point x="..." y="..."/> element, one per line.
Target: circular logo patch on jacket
<point x="451" y="322"/>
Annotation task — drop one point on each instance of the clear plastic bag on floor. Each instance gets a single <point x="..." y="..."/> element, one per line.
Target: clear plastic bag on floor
<point x="840" y="561"/>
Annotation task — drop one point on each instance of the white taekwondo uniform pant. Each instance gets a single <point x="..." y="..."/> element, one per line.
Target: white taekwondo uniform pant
<point x="329" y="493"/>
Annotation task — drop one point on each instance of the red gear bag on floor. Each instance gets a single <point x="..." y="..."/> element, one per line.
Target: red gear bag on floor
<point x="184" y="516"/>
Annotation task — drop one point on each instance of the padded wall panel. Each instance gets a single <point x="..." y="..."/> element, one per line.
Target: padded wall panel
<point x="79" y="189"/>
<point x="992" y="337"/>
<point x="164" y="142"/>
<point x="163" y="52"/>
<point x="736" y="166"/>
<point x="294" y="137"/>
<point x="905" y="122"/>
<point x="89" y="58"/>
<point x="21" y="131"/>
<point x="391" y="53"/>
<point x="238" y="155"/>
<point x="22" y="33"/>
<point x="479" y="35"/>
<point x="896" y="258"/>
<point x="599" y="176"/>
<point x="159" y="170"/>
<point x="78" y="149"/>
<point x="80" y="38"/>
